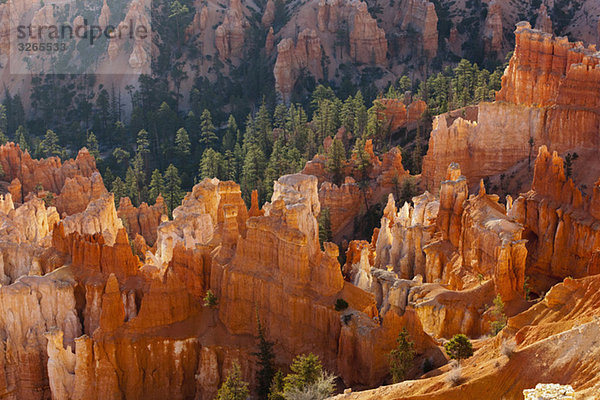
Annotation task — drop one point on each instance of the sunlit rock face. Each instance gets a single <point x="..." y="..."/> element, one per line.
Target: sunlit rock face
<point x="549" y="96"/>
<point x="71" y="185"/>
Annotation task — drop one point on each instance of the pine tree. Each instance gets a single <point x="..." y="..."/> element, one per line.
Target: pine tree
<point x="279" y="117"/>
<point x="20" y="138"/>
<point x="321" y="94"/>
<point x="362" y="159"/>
<point x="92" y="145"/>
<point x="404" y="85"/>
<point x="482" y="91"/>
<point x="182" y="142"/>
<point x="306" y="370"/>
<point x="210" y="299"/>
<point x="276" y="389"/>
<point x="296" y="125"/>
<point x="360" y="115"/>
<point x="347" y="116"/>
<point x="211" y="165"/>
<point x="252" y="171"/>
<point x="172" y="187"/>
<point x="141" y="155"/>
<point x="265" y="358"/>
<point x="208" y="137"/>
<point x="459" y="347"/>
<point x="264" y="131"/>
<point x="230" y="166"/>
<point x="376" y="122"/>
<point x="500" y="317"/>
<point x="231" y="134"/>
<point x="402" y="357"/>
<point x="325" y="234"/>
<point x="143" y="143"/>
<point x="121" y="156"/>
<point x="336" y="160"/>
<point x="234" y="388"/>
<point x="131" y="186"/>
<point x="119" y="189"/>
<point x="275" y="167"/>
<point x="156" y="186"/>
<point x="49" y="147"/>
<point x="363" y="166"/>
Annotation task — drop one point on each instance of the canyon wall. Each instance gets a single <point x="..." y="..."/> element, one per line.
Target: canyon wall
<point x="563" y="237"/>
<point x="99" y="317"/>
<point x="549" y="97"/>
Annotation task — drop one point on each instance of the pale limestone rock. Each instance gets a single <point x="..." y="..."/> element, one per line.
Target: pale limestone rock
<point x="99" y="217"/>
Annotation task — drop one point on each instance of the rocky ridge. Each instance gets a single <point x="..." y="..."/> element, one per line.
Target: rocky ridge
<point x="548" y="97"/>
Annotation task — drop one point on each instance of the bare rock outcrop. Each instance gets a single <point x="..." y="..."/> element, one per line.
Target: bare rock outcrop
<point x="398" y="114"/>
<point x="368" y="44"/>
<point x="493" y="29"/>
<point x="143" y="220"/>
<point x="30" y="308"/>
<point x="549" y="97"/>
<point x="543" y="21"/>
<point x="269" y="14"/>
<point x="229" y="36"/>
<point x="562" y="235"/>
<point x="291" y="59"/>
<point x="421" y="16"/>
<point x="72" y="184"/>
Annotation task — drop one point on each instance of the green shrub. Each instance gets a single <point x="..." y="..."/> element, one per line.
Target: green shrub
<point x="341" y="304"/>
<point x="402" y="357"/>
<point x="459" y="347"/>
<point x="210" y="300"/>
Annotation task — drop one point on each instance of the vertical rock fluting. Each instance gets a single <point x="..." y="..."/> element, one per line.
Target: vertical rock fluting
<point x="229" y="36"/>
<point x="550" y="95"/>
<point x="493" y="29"/>
<point x="368" y="44"/>
<point x="328" y="15"/>
<point x="31" y="307"/>
<point x="291" y="59"/>
<point x="73" y="183"/>
<point x="421" y="16"/>
<point x="143" y="220"/>
<point x="561" y="221"/>
<point x="543" y="21"/>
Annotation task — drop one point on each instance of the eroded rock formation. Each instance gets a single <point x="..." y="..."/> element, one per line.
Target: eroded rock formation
<point x="347" y="200"/>
<point x="229" y="36"/>
<point x="143" y="220"/>
<point x="48" y="174"/>
<point x="291" y="59"/>
<point x="548" y="97"/>
<point x="420" y="15"/>
<point x="493" y="28"/>
<point x="398" y="114"/>
<point x="368" y="44"/>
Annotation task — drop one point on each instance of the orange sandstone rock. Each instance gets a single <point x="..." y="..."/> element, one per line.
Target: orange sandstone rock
<point x="143" y="220"/>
